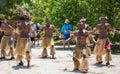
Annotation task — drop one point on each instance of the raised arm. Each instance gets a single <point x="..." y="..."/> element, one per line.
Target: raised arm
<point x="113" y="31"/>
<point x="73" y="35"/>
<point x="10" y="27"/>
<point x="95" y="29"/>
<point x="91" y="38"/>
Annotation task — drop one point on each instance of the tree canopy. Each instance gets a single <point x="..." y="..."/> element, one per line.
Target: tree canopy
<point x="59" y="10"/>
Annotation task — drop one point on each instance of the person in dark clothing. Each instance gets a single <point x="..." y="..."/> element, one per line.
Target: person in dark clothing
<point x="1" y="32"/>
<point x="38" y="35"/>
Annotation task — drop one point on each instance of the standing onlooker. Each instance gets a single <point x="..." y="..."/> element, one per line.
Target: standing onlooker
<point x="66" y="28"/>
<point x="38" y="29"/>
<point x="32" y="36"/>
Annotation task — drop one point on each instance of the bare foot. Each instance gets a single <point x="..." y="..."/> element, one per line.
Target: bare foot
<point x="20" y="64"/>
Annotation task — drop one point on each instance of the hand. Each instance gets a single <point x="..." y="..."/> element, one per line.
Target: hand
<point x="97" y="43"/>
<point x="67" y="31"/>
<point x="108" y="50"/>
<point x="63" y="42"/>
<point x="62" y="36"/>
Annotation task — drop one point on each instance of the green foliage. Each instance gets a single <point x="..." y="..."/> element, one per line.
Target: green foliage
<point x="7" y="9"/>
<point x="59" y="10"/>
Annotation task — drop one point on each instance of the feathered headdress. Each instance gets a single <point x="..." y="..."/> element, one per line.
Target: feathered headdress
<point x="22" y="12"/>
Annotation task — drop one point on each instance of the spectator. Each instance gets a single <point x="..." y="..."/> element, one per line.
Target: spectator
<point x="38" y="35"/>
<point x="66" y="28"/>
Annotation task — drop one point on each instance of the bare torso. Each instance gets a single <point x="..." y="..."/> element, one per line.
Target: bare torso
<point x="103" y="30"/>
<point x="8" y="31"/>
<point x="24" y="30"/>
<point x="48" y="31"/>
<point x="81" y="38"/>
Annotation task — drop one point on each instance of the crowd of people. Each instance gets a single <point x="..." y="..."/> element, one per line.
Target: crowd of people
<point x="21" y="36"/>
<point x="18" y="36"/>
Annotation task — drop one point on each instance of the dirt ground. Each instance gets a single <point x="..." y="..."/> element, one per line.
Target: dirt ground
<point x="63" y="64"/>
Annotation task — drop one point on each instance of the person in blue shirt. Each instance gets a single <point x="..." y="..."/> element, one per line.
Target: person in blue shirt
<point x="66" y="29"/>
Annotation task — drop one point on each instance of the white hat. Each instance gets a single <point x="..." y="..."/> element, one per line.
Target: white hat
<point x="105" y="17"/>
<point x="66" y="21"/>
<point x="38" y="24"/>
<point x="82" y="19"/>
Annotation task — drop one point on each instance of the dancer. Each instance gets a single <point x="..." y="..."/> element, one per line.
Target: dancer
<point x="24" y="28"/>
<point x="48" y="39"/>
<point x="8" y="31"/>
<point x="80" y="57"/>
<point x="87" y="27"/>
<point x="104" y="43"/>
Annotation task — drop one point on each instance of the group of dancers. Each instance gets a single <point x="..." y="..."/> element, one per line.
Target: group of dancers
<point x="83" y="35"/>
<point x="17" y="37"/>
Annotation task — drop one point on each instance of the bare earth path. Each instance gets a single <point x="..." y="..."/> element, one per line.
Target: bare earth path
<point x="61" y="65"/>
